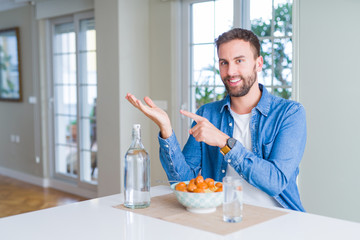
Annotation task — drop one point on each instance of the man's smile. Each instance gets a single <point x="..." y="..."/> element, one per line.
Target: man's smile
<point x="232" y="81"/>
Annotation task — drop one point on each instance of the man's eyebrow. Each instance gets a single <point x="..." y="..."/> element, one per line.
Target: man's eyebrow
<point x="237" y="57"/>
<point x="241" y="56"/>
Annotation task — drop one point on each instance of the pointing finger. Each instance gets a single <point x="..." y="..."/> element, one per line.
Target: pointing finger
<point x="191" y="115"/>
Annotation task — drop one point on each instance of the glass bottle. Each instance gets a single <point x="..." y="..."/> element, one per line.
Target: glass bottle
<point x="137" y="173"/>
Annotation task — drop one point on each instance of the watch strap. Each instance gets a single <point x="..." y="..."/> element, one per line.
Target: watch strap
<point x="230" y="142"/>
<point x="225" y="150"/>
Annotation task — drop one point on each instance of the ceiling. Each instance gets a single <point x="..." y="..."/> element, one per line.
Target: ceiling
<point x="10" y="4"/>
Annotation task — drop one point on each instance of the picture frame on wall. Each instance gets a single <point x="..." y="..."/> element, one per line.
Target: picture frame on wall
<point x="10" y="65"/>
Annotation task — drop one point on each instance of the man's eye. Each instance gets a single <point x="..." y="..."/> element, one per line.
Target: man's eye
<point x="239" y="61"/>
<point x="223" y="63"/>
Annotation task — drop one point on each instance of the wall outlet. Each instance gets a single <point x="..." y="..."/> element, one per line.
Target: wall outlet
<point x="17" y="138"/>
<point x="12" y="138"/>
<point x="32" y="100"/>
<point x="37" y="159"/>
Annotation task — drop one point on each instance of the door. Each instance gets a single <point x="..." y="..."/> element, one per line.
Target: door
<point x="73" y="100"/>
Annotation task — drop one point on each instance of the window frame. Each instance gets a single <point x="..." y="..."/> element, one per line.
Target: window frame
<point x="240" y="20"/>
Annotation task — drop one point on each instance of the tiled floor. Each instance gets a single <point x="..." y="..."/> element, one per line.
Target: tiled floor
<point x="19" y="197"/>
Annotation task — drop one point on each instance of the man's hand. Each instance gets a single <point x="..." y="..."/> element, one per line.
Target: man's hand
<point x="206" y="132"/>
<point x="156" y="114"/>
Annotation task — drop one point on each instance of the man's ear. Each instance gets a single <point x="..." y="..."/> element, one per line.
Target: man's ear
<point x="259" y="63"/>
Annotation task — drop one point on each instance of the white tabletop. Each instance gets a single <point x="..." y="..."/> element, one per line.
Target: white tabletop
<point x="98" y="219"/>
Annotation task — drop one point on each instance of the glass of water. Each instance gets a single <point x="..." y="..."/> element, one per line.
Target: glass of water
<point x="233" y="199"/>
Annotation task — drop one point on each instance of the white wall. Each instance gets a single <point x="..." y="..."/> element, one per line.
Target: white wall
<point x="108" y="100"/>
<point x="160" y="75"/>
<point x="123" y="66"/>
<point x="329" y="90"/>
<point x="55" y="8"/>
<point x="19" y="117"/>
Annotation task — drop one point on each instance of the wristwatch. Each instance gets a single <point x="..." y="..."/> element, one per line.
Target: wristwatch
<point x="229" y="145"/>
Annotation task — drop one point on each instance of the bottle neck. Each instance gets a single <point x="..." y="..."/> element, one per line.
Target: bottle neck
<point x="136" y="139"/>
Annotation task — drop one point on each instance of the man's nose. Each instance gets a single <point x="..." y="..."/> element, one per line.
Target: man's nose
<point x="232" y="70"/>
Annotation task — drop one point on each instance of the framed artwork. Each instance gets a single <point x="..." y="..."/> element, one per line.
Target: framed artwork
<point x="10" y="74"/>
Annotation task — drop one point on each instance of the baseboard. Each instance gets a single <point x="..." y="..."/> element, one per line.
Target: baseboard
<point x="45" y="182"/>
<point x="73" y="189"/>
<point x="25" y="177"/>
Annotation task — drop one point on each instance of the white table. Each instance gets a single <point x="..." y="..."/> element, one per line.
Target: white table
<point x="97" y="219"/>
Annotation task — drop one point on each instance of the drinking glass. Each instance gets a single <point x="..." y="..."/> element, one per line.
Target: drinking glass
<point x="233" y="199"/>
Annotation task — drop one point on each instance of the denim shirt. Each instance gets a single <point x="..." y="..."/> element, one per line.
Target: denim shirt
<point x="278" y="136"/>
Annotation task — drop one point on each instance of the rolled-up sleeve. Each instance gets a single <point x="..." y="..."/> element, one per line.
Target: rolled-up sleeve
<point x="280" y="157"/>
<point x="176" y="163"/>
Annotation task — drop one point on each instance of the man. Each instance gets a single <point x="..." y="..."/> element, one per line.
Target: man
<point x="249" y="134"/>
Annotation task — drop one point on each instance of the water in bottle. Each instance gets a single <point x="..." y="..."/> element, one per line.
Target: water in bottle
<point x="137" y="173"/>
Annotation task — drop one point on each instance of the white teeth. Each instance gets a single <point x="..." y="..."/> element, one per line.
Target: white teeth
<point x="235" y="80"/>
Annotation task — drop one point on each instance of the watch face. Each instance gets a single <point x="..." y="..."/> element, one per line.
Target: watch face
<point x="231" y="142"/>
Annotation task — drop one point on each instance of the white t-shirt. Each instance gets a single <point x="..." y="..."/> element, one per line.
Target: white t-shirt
<point x="242" y="133"/>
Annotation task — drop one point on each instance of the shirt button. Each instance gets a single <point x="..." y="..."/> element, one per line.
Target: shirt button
<point x="229" y="161"/>
<point x="223" y="171"/>
<point x="171" y="163"/>
<point x="166" y="146"/>
<point x="230" y="124"/>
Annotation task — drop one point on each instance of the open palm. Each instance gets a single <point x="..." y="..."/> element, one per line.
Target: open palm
<point x="156" y="114"/>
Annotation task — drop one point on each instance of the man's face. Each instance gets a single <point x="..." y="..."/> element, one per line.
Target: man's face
<point x="238" y="68"/>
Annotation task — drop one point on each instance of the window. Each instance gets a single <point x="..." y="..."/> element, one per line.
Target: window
<point x="271" y="20"/>
<point x="74" y="93"/>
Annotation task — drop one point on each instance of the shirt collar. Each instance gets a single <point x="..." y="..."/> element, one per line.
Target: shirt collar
<point x="263" y="105"/>
<point x="225" y="103"/>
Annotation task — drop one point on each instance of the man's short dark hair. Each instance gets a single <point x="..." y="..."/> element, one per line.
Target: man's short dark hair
<point x="241" y="34"/>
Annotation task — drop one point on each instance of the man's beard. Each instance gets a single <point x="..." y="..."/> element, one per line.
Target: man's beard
<point x="248" y="82"/>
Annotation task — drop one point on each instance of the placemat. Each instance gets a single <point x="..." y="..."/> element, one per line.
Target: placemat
<point x="167" y="208"/>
